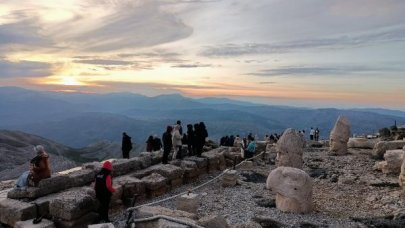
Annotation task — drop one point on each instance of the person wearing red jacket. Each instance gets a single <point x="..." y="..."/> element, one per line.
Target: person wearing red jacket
<point x="104" y="189"/>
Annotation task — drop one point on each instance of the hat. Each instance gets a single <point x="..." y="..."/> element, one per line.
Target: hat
<point x="107" y="165"/>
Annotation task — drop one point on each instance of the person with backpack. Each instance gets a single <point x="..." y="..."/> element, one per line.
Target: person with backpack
<point x="104" y="190"/>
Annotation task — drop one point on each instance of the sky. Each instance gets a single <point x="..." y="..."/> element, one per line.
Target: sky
<point x="309" y="53"/>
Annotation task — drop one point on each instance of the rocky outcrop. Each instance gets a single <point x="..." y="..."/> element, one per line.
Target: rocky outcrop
<point x="392" y="163"/>
<point x="293" y="188"/>
<point x="290" y="148"/>
<point x="339" y="136"/>
<point x="402" y="174"/>
<point x="381" y="147"/>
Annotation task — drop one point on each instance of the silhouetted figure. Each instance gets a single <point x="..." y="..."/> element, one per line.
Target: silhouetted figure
<point x="316" y="134"/>
<point x="244" y="140"/>
<point x="157" y="143"/>
<point x="180" y="127"/>
<point x="222" y="141"/>
<point x="231" y="140"/>
<point x="190" y="139"/>
<point x="197" y="140"/>
<point x="202" y="138"/>
<point x="311" y="134"/>
<point x="167" y="144"/>
<point x="126" y="145"/>
<point x="176" y="138"/>
<point x="104" y="189"/>
<point x="149" y="144"/>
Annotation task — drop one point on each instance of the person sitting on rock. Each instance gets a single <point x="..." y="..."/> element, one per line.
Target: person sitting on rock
<point x="104" y="189"/>
<point x="251" y="148"/>
<point x="39" y="166"/>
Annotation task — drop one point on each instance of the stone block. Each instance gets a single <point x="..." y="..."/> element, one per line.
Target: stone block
<point x="213" y="221"/>
<point x="12" y="211"/>
<point x="230" y="178"/>
<point x="200" y="161"/>
<point x="96" y="166"/>
<point x="125" y="166"/>
<point x="157" y="157"/>
<point x="175" y="183"/>
<point x="188" y="202"/>
<point x="169" y="171"/>
<point x="154" y="181"/>
<point x="146" y="159"/>
<point x="82" y="177"/>
<point x="73" y="203"/>
<point x="148" y="211"/>
<point x="142" y="173"/>
<point x="81" y="222"/>
<point x="29" y="224"/>
<point x="381" y="147"/>
<point x="362" y="143"/>
<point x="157" y="192"/>
<point x="131" y="186"/>
<point x="213" y="158"/>
<point x="117" y="196"/>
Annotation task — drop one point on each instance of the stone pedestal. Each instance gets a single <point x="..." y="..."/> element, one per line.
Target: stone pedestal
<point x="230" y="178"/>
<point x="188" y="202"/>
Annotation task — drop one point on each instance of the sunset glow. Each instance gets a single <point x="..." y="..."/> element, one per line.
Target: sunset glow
<point x="320" y="53"/>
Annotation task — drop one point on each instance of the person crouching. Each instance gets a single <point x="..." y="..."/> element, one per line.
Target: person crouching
<point x="104" y="189"/>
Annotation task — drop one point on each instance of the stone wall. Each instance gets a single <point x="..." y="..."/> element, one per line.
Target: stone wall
<point x="68" y="199"/>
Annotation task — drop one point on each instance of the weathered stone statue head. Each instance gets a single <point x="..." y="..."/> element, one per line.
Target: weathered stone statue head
<point x="290" y="148"/>
<point x="339" y="136"/>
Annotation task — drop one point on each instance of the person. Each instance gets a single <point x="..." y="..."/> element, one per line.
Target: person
<point x="238" y="142"/>
<point x="180" y="127"/>
<point x="149" y="144"/>
<point x="104" y="189"/>
<point x="250" y="150"/>
<point x="231" y="140"/>
<point x="203" y="134"/>
<point x="39" y="166"/>
<point x="176" y="140"/>
<point x="311" y="134"/>
<point x="167" y="144"/>
<point x="39" y="169"/>
<point x="197" y="139"/>
<point x="157" y="143"/>
<point x="316" y="134"/>
<point x="126" y="145"/>
<point x="190" y="139"/>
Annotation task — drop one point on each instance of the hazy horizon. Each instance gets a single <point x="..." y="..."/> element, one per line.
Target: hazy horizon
<point x="309" y="53"/>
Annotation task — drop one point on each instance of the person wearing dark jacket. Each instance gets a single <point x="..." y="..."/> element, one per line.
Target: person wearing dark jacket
<point x="190" y="139"/>
<point x="167" y="144"/>
<point x="149" y="144"/>
<point x="157" y="143"/>
<point x="202" y="137"/>
<point x="104" y="189"/>
<point x="126" y="145"/>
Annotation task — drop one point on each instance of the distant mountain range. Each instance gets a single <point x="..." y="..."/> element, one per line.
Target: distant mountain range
<point x="78" y="120"/>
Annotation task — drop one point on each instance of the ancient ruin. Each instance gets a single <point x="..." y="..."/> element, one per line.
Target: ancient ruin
<point x="290" y="148"/>
<point x="339" y="136"/>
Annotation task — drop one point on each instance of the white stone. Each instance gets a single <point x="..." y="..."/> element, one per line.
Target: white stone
<point x="290" y="148"/>
<point x="29" y="224"/>
<point x="339" y="136"/>
<point x="293" y="188"/>
<point x="393" y="160"/>
<point x="188" y="202"/>
<point x="103" y="225"/>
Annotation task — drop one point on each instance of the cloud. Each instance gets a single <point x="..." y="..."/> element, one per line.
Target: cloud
<point x="193" y="65"/>
<point x="266" y="83"/>
<point x="104" y="62"/>
<point x="387" y="35"/>
<point x="24" y="69"/>
<point x="322" y="70"/>
<point x="131" y="25"/>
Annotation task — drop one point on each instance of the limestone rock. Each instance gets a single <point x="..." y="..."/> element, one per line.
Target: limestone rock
<point x="362" y="143"/>
<point x="103" y="225"/>
<point x="293" y="187"/>
<point x="73" y="203"/>
<point x="148" y="211"/>
<point x="145" y="159"/>
<point x="29" y="224"/>
<point x="155" y="184"/>
<point x="381" y="147"/>
<point x="188" y="202"/>
<point x="81" y="222"/>
<point x="393" y="161"/>
<point x="12" y="211"/>
<point x="214" y="221"/>
<point x="230" y="178"/>
<point x="125" y="166"/>
<point x="402" y="174"/>
<point x="339" y="136"/>
<point x="290" y="148"/>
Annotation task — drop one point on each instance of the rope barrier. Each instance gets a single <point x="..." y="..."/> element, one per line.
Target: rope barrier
<point x="131" y="209"/>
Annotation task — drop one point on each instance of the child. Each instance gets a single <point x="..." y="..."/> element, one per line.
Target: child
<point x="104" y="189"/>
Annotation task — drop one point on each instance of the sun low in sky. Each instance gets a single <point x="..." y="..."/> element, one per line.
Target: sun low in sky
<point x="346" y="53"/>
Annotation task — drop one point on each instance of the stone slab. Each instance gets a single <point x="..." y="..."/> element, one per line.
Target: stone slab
<point x="29" y="224"/>
<point x="12" y="211"/>
<point x="81" y="222"/>
<point x="154" y="181"/>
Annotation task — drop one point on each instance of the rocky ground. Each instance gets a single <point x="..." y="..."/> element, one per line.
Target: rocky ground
<point x="347" y="192"/>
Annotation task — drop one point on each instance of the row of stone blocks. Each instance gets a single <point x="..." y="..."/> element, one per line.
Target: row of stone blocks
<point x="141" y="177"/>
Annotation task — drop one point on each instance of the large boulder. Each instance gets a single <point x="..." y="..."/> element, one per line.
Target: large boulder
<point x="362" y="143"/>
<point x="339" y="136"/>
<point x="293" y="188"/>
<point x="12" y="211"/>
<point x="392" y="163"/>
<point x="290" y="148"/>
<point x="381" y="147"/>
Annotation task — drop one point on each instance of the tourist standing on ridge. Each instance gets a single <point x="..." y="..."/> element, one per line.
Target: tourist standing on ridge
<point x="190" y="139"/>
<point x="167" y="144"/>
<point x="316" y="134"/>
<point x="202" y="136"/>
<point x="157" y="143"/>
<point x="149" y="144"/>
<point x="311" y="134"/>
<point x="104" y="189"/>
<point x="176" y="137"/>
<point x="180" y="127"/>
<point x="126" y="145"/>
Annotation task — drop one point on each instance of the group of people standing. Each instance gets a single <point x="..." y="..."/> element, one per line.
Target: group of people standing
<point x="314" y="134"/>
<point x="247" y="144"/>
<point x="174" y="139"/>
